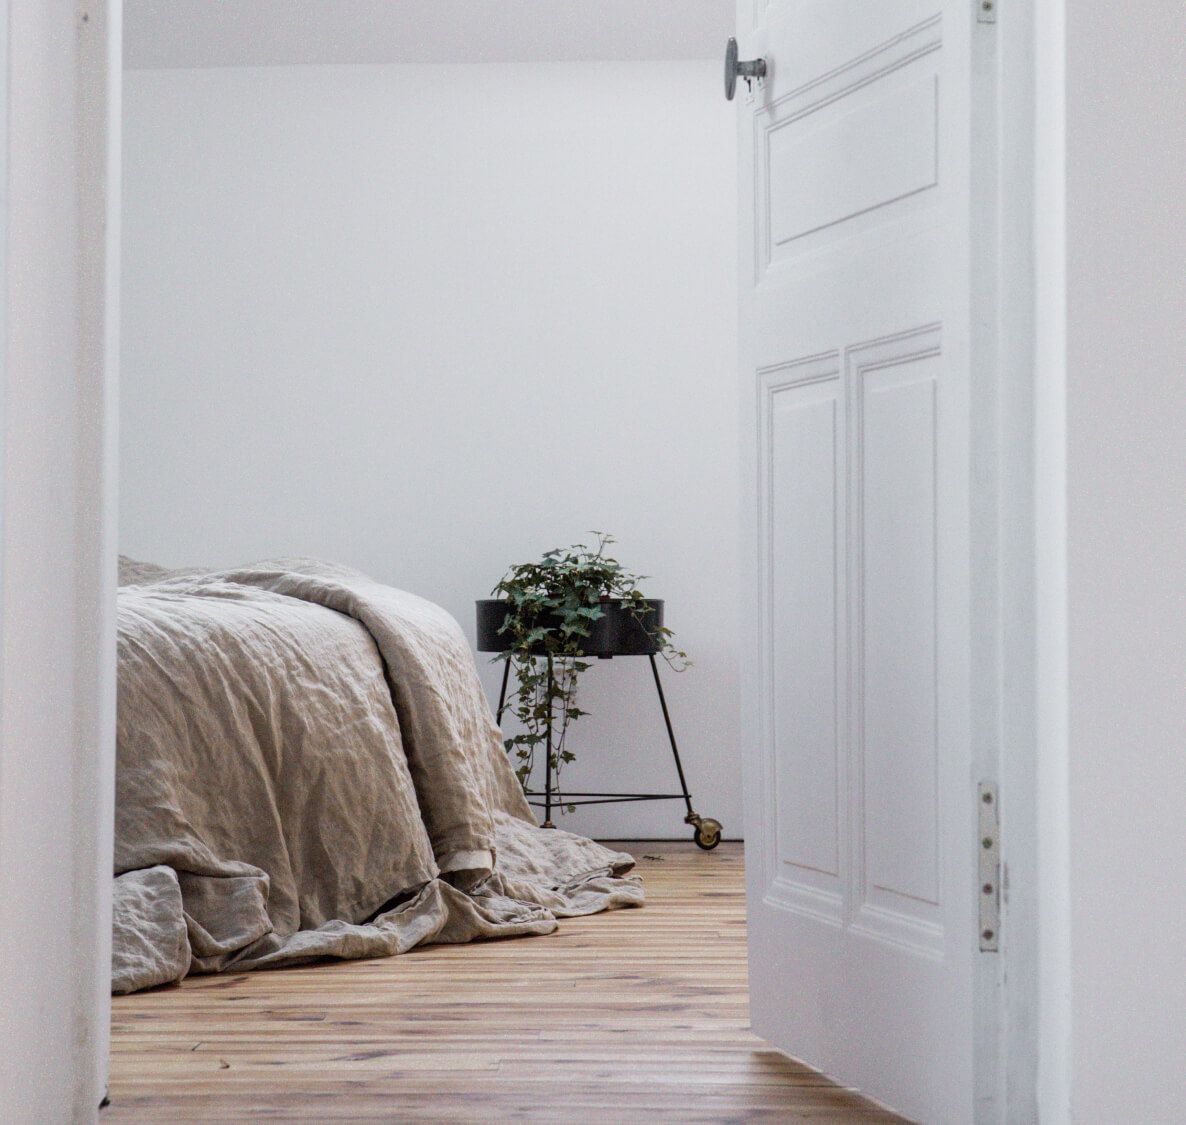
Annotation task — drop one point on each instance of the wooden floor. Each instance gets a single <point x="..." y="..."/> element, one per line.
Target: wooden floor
<point x="633" y="1016"/>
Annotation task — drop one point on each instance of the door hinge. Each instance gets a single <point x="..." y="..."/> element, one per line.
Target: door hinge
<point x="989" y="867"/>
<point x="986" y="11"/>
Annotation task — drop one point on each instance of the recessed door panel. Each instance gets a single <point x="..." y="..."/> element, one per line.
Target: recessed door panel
<point x="803" y="485"/>
<point x="894" y="130"/>
<point x="897" y="816"/>
<point x="854" y="150"/>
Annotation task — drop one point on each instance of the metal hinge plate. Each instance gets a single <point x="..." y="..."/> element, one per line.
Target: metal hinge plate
<point x="989" y="849"/>
<point x="986" y="11"/>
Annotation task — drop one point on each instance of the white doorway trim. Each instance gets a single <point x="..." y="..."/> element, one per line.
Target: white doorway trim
<point x="58" y="552"/>
<point x="1018" y="480"/>
<point x="57" y="549"/>
<point x="1034" y="1033"/>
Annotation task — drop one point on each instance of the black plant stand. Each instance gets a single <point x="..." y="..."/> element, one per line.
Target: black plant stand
<point x="616" y="634"/>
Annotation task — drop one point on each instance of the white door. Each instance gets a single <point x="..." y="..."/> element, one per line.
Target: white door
<point x="863" y="754"/>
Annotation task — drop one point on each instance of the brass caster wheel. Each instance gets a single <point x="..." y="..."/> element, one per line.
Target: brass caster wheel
<point x="708" y="833"/>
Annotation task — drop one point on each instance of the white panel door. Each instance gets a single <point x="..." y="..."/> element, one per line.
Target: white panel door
<point x="857" y="240"/>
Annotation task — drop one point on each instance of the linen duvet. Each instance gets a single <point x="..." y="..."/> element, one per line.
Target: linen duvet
<point x="307" y="767"/>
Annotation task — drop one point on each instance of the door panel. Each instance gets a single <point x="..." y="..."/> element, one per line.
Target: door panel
<point x="860" y="774"/>
<point x="803" y="463"/>
<point x="867" y="133"/>
<point x="895" y="393"/>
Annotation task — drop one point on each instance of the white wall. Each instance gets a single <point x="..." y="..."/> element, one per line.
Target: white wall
<point x="57" y="557"/>
<point x="430" y="321"/>
<point x="1125" y="396"/>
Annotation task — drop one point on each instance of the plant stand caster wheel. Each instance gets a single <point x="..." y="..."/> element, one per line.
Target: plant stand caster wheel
<point x="707" y="833"/>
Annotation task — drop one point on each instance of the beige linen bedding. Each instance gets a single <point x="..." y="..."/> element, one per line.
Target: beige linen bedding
<point x="308" y="767"/>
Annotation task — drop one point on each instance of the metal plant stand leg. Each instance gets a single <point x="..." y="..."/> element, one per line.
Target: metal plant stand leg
<point x="679" y="768"/>
<point x="502" y="695"/>
<point x="706" y="831"/>
<point x="502" y="701"/>
<point x="548" y="763"/>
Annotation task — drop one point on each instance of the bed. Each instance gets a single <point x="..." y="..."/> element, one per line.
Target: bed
<point x="307" y="768"/>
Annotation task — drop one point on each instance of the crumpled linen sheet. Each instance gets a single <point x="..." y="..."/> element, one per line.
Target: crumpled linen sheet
<point x="307" y="767"/>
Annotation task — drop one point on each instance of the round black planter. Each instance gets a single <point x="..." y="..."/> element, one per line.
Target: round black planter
<point x="619" y="632"/>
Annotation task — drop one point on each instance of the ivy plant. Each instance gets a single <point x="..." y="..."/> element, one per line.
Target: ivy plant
<point x="553" y="604"/>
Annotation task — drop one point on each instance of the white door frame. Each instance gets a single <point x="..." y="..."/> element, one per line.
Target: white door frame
<point x="1023" y="1040"/>
<point x="1030" y="550"/>
<point x="58" y="546"/>
<point x="1012" y="161"/>
<point x="1003" y="192"/>
<point x="58" y="551"/>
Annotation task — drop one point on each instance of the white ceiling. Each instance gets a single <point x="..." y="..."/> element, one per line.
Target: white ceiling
<point x="200" y="33"/>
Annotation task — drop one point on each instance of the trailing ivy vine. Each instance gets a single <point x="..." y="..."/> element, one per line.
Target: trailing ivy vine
<point x="553" y="605"/>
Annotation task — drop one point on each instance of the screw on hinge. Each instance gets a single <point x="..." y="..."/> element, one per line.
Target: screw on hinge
<point x="989" y="869"/>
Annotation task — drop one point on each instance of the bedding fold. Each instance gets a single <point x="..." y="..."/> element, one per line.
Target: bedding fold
<point x="307" y="767"/>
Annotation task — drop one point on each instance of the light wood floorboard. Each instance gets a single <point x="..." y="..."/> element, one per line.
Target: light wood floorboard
<point x="632" y="1016"/>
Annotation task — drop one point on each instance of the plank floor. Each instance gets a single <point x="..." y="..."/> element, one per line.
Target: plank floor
<point x="636" y="1015"/>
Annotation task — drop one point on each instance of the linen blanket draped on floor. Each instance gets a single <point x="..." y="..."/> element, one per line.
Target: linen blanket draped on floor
<point x="308" y="767"/>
